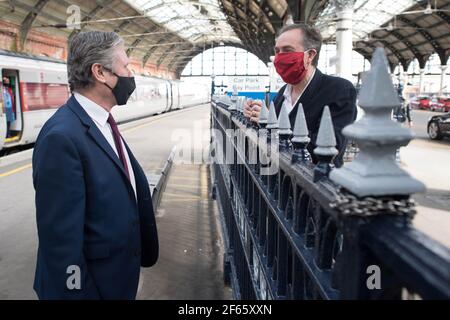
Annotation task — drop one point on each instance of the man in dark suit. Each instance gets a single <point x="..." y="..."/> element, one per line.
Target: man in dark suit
<point x="95" y="218"/>
<point x="297" y="51"/>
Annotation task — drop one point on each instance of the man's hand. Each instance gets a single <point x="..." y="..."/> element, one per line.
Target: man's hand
<point x="252" y="109"/>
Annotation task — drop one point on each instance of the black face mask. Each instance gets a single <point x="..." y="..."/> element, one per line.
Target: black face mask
<point x="123" y="90"/>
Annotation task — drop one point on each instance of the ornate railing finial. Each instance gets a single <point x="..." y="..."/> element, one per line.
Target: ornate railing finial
<point x="240" y="106"/>
<point x="232" y="105"/>
<point x="263" y="116"/>
<point x="300" y="137"/>
<point x="272" y="122"/>
<point x="326" y="145"/>
<point x="284" y="128"/>
<point x="374" y="172"/>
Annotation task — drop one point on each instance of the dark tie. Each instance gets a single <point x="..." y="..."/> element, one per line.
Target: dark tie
<point x="117" y="142"/>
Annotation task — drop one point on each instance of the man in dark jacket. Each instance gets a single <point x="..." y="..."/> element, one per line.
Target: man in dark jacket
<point x="297" y="51"/>
<point x="94" y="211"/>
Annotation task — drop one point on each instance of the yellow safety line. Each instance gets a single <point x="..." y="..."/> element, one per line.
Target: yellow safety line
<point x="178" y="197"/>
<point x="185" y="186"/>
<point x="184" y="200"/>
<point x="12" y="139"/>
<point x="8" y="173"/>
<point x="175" y="178"/>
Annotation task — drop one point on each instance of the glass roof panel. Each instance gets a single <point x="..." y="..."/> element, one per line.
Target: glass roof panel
<point x="368" y="16"/>
<point x="197" y="21"/>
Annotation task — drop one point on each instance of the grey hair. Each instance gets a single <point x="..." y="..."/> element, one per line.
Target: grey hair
<point x="312" y="39"/>
<point x="87" y="48"/>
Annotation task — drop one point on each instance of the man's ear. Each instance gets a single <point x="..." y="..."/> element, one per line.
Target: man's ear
<point x="98" y="72"/>
<point x="312" y="53"/>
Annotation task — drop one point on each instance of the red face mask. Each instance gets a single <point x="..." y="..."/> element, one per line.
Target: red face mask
<point x="290" y="66"/>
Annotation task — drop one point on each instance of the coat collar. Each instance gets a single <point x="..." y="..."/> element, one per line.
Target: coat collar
<point x="310" y="91"/>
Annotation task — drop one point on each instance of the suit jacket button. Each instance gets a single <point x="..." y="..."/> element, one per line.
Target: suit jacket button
<point x="137" y="253"/>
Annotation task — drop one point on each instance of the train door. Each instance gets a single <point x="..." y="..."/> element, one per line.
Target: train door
<point x="169" y="96"/>
<point x="176" y="94"/>
<point x="2" y="120"/>
<point x="12" y="105"/>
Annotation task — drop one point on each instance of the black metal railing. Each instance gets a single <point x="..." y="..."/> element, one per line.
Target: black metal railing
<point x="293" y="233"/>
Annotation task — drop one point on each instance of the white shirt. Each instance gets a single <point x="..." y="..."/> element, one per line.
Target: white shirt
<point x="287" y="95"/>
<point x="100" y="118"/>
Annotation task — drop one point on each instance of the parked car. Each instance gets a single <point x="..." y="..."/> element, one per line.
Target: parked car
<point x="439" y="126"/>
<point x="436" y="105"/>
<point x="445" y="104"/>
<point x="420" y="102"/>
<point x="424" y="102"/>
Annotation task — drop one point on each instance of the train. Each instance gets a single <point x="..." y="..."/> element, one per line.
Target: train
<point x="39" y="87"/>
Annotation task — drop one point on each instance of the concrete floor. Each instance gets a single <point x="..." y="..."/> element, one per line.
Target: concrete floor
<point x="190" y="255"/>
<point x="190" y="265"/>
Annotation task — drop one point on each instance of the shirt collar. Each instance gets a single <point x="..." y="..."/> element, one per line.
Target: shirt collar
<point x="96" y="112"/>
<point x="287" y="91"/>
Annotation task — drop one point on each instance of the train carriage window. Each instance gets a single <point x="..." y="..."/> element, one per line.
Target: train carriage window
<point x="41" y="96"/>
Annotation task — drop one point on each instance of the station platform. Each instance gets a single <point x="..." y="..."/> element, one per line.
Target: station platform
<point x="191" y="250"/>
<point x="190" y="264"/>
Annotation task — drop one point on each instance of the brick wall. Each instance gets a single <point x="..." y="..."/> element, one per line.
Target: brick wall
<point x="40" y="43"/>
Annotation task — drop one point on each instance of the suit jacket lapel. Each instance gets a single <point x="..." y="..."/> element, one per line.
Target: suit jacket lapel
<point x="96" y="135"/>
<point x="307" y="96"/>
<point x="139" y="175"/>
<point x="311" y="89"/>
<point x="134" y="164"/>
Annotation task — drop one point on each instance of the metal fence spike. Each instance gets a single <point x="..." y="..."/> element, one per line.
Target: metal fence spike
<point x="263" y="116"/>
<point x="284" y="124"/>
<point x="326" y="139"/>
<point x="272" y="121"/>
<point x="300" y="127"/>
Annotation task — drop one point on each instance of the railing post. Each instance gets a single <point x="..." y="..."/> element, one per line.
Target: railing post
<point x="256" y="125"/>
<point x="262" y="137"/>
<point x="263" y="116"/>
<point x="240" y="109"/>
<point x="232" y="107"/>
<point x="272" y="123"/>
<point x="284" y="129"/>
<point x="373" y="184"/>
<point x="326" y="146"/>
<point x="300" y="139"/>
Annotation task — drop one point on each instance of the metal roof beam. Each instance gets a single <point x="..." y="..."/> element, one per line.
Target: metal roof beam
<point x="440" y="51"/>
<point x="160" y="41"/>
<point x="139" y="40"/>
<point x="169" y="65"/>
<point x="29" y="20"/>
<point x="295" y="8"/>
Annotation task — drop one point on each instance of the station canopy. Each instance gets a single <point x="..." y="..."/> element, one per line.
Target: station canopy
<point x="196" y="21"/>
<point x="169" y="33"/>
